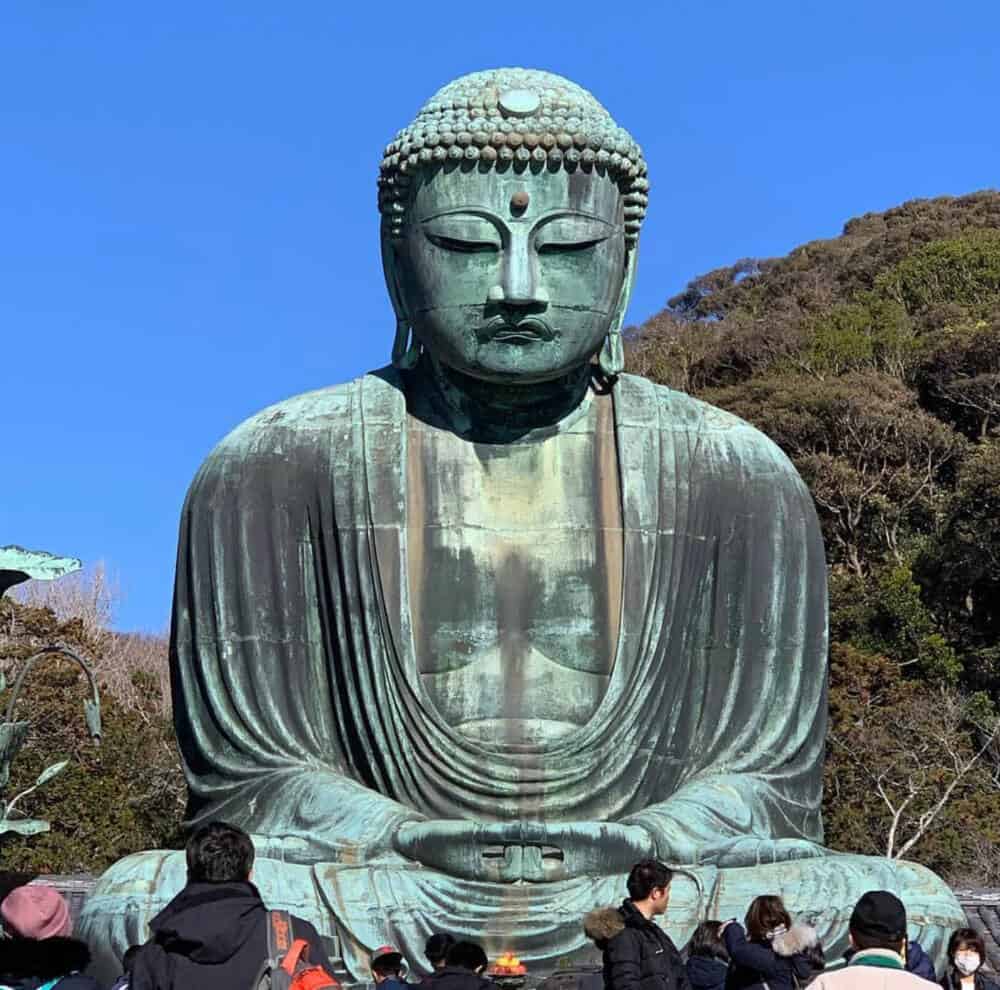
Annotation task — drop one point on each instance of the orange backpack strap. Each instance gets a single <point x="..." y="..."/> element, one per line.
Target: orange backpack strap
<point x="298" y="951"/>
<point x="279" y="935"/>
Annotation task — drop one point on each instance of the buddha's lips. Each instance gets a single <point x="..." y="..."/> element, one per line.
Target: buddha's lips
<point x="523" y="332"/>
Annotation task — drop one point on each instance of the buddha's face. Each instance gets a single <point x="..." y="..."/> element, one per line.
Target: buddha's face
<point x="509" y="276"/>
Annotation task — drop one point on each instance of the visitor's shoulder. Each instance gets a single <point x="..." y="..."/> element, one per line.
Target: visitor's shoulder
<point x="709" y="433"/>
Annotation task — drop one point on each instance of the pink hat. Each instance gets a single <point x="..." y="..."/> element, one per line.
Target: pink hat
<point x="36" y="912"/>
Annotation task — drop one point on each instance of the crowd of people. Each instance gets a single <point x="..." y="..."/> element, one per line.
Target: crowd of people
<point x="217" y="934"/>
<point x="770" y="950"/>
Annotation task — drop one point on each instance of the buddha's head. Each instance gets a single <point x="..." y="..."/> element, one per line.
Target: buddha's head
<point x="511" y="210"/>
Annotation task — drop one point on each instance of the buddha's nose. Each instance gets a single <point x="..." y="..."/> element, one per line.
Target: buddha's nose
<point x="519" y="283"/>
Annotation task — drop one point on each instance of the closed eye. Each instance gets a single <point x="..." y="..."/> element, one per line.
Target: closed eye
<point x="456" y="244"/>
<point x="555" y="247"/>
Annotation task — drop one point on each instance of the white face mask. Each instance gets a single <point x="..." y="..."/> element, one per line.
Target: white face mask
<point x="967" y="962"/>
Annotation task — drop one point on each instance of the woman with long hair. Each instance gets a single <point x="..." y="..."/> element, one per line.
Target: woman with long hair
<point x="773" y="953"/>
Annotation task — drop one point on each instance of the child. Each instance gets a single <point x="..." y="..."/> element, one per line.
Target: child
<point x="708" y="960"/>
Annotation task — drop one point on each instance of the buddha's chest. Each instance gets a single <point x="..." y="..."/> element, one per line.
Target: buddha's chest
<point x="515" y="577"/>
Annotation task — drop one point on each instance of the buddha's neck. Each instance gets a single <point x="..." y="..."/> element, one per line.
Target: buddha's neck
<point x="490" y="413"/>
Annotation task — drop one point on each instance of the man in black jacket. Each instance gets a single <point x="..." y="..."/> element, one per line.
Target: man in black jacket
<point x="638" y="953"/>
<point x="213" y="934"/>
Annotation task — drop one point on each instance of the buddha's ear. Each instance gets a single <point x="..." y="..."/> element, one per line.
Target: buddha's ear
<point x="611" y="357"/>
<point x="618" y="317"/>
<point x="391" y="270"/>
<point x="405" y="347"/>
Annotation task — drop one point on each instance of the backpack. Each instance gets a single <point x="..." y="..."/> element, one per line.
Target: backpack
<point x="287" y="965"/>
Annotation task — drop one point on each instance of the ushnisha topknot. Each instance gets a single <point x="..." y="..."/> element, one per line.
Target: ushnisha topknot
<point x="520" y="119"/>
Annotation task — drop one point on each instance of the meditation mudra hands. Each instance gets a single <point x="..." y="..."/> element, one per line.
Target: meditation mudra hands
<point x="539" y="852"/>
<point x="504" y="852"/>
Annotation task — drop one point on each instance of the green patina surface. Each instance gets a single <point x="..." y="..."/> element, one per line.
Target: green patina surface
<point x="18" y="564"/>
<point x="460" y="640"/>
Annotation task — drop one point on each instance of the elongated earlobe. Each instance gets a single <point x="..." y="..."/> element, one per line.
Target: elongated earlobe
<point x="405" y="347"/>
<point x="612" y="356"/>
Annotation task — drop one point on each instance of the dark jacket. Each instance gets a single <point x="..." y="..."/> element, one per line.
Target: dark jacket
<point x="212" y="936"/>
<point x="781" y="963"/>
<point x="919" y="963"/>
<point x="707" y="973"/>
<point x="27" y="963"/>
<point x="638" y="953"/>
<point x="457" y="978"/>
<point x="983" y="982"/>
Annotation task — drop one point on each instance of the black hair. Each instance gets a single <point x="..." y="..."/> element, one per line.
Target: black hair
<point x="646" y="875"/>
<point x="706" y="942"/>
<point x="467" y="955"/>
<point x="128" y="960"/>
<point x="391" y="964"/>
<point x="437" y="946"/>
<point x="766" y="913"/>
<point x="966" y="938"/>
<point x="219" y="853"/>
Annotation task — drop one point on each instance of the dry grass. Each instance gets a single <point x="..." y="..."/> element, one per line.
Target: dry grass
<point x="130" y="666"/>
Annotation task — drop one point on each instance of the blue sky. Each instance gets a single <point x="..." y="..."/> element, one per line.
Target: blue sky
<point x="188" y="229"/>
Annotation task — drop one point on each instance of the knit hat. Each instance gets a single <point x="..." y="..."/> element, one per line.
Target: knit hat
<point x="880" y="915"/>
<point x="36" y="912"/>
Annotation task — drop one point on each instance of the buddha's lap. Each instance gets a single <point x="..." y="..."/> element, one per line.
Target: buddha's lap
<point x="390" y="901"/>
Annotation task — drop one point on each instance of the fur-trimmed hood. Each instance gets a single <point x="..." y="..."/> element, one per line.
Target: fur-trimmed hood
<point x="24" y="960"/>
<point x="799" y="938"/>
<point x="602" y="925"/>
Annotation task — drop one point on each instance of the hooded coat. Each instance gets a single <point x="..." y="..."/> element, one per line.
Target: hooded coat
<point x="28" y="963"/>
<point x="213" y="936"/>
<point x="782" y="963"/>
<point x="638" y="953"/>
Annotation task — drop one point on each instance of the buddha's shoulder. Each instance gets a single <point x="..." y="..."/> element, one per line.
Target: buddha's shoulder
<point x="645" y="404"/>
<point x="300" y="432"/>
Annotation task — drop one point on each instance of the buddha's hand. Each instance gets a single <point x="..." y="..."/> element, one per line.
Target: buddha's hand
<point x="753" y="850"/>
<point x="746" y="850"/>
<point x="529" y="851"/>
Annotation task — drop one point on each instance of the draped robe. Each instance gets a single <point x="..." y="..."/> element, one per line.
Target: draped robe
<point x="300" y="711"/>
<point x="301" y="717"/>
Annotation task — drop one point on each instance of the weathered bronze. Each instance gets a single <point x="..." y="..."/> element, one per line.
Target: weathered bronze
<point x="460" y="640"/>
<point x="18" y="565"/>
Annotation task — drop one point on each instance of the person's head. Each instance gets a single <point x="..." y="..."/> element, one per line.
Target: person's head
<point x="706" y="942"/>
<point x="878" y="922"/>
<point x="128" y="960"/>
<point x="436" y="948"/>
<point x="467" y="955"/>
<point x="766" y="918"/>
<point x="511" y="209"/>
<point x="649" y="886"/>
<point x="36" y="912"/>
<point x="966" y="951"/>
<point x="219" y="853"/>
<point x="387" y="963"/>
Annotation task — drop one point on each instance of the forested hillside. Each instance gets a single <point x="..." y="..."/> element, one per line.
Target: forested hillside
<point x="873" y="359"/>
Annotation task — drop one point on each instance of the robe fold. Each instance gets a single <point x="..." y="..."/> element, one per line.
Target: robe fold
<point x="300" y="712"/>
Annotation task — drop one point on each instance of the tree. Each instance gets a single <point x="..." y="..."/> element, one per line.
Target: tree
<point x="901" y="756"/>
